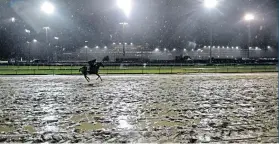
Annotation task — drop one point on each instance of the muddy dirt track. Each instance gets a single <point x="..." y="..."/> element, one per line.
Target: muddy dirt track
<point x="139" y="108"/>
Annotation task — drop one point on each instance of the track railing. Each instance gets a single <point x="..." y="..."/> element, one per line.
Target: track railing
<point x="74" y="70"/>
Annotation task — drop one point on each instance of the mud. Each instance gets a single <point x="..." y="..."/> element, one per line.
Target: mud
<point x="140" y="108"/>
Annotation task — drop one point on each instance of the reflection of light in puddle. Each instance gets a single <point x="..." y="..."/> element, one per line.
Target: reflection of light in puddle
<point x="123" y="122"/>
<point x="50" y="128"/>
<point x="49" y="118"/>
<point x="48" y="108"/>
<point x="204" y="138"/>
<point x="204" y="122"/>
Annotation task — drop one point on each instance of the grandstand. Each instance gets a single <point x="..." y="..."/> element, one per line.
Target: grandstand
<point x="132" y="51"/>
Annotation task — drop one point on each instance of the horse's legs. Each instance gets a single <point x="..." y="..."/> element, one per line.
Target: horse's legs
<point x="87" y="78"/>
<point x="99" y="77"/>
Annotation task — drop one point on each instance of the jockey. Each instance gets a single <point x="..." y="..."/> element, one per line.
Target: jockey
<point x="92" y="64"/>
<point x="93" y="69"/>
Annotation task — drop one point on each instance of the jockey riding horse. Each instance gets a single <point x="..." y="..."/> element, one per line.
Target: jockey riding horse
<point x="93" y="69"/>
<point x="92" y="65"/>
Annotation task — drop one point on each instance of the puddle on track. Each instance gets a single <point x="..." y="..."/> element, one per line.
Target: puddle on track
<point x="140" y="108"/>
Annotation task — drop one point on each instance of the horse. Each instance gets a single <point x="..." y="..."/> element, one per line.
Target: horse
<point x="94" y="69"/>
<point x="84" y="71"/>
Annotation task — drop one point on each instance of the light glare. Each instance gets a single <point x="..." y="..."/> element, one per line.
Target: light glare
<point x="13" y="19"/>
<point x="249" y="17"/>
<point x="47" y="7"/>
<point x="46" y="28"/>
<point x="27" y="31"/>
<point x="125" y="5"/>
<point x="210" y="3"/>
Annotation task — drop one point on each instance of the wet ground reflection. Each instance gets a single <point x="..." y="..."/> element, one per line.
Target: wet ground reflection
<point x="140" y="108"/>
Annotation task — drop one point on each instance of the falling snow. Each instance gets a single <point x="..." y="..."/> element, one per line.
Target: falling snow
<point x="161" y="24"/>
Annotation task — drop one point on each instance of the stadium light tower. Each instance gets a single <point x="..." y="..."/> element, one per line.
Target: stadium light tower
<point x="123" y="34"/>
<point x="125" y="5"/>
<point x="249" y="17"/>
<point x="47" y="7"/>
<point x="27" y="31"/>
<point x="34" y="41"/>
<point x="56" y="48"/>
<point x="210" y="4"/>
<point x="86" y="47"/>
<point x="47" y="28"/>
<point x="13" y="19"/>
<point x="28" y="43"/>
<point x="28" y="46"/>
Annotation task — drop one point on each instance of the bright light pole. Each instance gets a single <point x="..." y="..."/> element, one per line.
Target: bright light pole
<point x="56" y="51"/>
<point x="125" y="5"/>
<point x="12" y="19"/>
<point x="123" y="35"/>
<point x="86" y="47"/>
<point x="249" y="17"/>
<point x="28" y="45"/>
<point x="34" y="41"/>
<point x="210" y="4"/>
<point x="47" y="28"/>
<point x="47" y="7"/>
<point x="28" y="31"/>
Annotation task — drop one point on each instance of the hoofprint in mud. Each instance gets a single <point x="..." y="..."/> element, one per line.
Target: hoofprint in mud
<point x="140" y="108"/>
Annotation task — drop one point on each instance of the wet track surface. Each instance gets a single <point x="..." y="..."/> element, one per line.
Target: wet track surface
<point x="140" y="108"/>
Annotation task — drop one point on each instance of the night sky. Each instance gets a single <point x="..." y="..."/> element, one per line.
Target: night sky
<point x="160" y="23"/>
